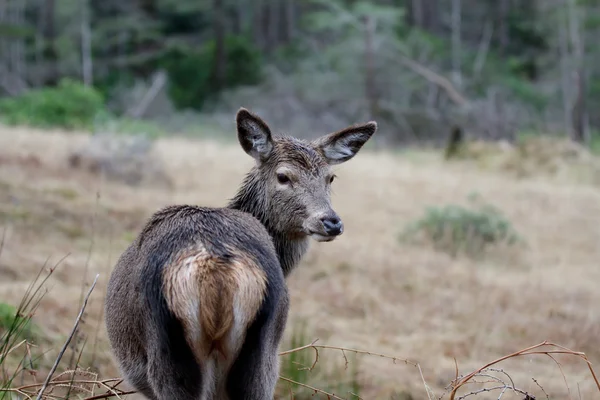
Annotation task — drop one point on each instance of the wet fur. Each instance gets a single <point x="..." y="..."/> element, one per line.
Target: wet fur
<point x="204" y="290"/>
<point x="197" y="304"/>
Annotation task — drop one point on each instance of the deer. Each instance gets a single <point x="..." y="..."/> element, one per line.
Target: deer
<point x="196" y="306"/>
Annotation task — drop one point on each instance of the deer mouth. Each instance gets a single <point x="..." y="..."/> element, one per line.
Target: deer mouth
<point x="319" y="237"/>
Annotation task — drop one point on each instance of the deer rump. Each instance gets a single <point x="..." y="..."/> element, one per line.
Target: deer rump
<point x="215" y="298"/>
<point x="198" y="289"/>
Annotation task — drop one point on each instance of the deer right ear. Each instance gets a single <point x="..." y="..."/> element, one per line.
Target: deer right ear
<point x="254" y="135"/>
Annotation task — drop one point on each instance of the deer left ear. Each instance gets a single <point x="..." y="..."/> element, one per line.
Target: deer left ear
<point x="339" y="147"/>
<point x="254" y="135"/>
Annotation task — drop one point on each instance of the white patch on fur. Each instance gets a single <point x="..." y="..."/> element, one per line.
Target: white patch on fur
<point x="340" y="149"/>
<point x="188" y="273"/>
<point x="241" y="320"/>
<point x="208" y="379"/>
<point x="322" y="238"/>
<point x="260" y="144"/>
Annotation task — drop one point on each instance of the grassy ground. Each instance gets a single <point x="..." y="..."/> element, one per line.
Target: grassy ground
<point x="366" y="290"/>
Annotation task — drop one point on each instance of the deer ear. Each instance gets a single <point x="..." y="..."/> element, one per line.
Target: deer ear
<point x="339" y="147"/>
<point x="254" y="135"/>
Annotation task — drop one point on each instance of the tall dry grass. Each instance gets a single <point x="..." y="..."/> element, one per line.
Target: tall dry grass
<point x="367" y="291"/>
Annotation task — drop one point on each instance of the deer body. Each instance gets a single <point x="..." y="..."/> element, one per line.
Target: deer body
<point x="197" y="304"/>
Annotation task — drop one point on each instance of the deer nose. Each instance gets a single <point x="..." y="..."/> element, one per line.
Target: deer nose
<point x="333" y="225"/>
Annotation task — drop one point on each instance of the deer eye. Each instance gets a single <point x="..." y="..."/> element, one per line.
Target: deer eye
<point x="283" y="178"/>
<point x="331" y="179"/>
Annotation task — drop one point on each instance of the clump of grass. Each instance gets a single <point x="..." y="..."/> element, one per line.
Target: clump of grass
<point x="17" y="325"/>
<point x="10" y="316"/>
<point x="455" y="229"/>
<point x="302" y="373"/>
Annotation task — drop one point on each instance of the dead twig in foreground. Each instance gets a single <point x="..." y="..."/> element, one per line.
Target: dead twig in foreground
<point x="329" y="395"/>
<point x="533" y="350"/>
<point x="64" y="348"/>
<point x="316" y="348"/>
<point x="503" y="384"/>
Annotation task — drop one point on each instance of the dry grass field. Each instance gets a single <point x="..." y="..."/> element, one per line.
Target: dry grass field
<point x="366" y="290"/>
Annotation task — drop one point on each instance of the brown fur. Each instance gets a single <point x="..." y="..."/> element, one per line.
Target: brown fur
<point x="197" y="305"/>
<point x="219" y="286"/>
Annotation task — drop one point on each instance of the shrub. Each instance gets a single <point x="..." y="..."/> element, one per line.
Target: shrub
<point x="457" y="229"/>
<point x="70" y="105"/>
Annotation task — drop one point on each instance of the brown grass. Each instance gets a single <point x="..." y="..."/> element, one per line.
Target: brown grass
<point x="365" y="290"/>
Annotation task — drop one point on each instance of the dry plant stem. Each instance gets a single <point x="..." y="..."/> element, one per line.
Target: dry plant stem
<point x="2" y="240"/>
<point x="529" y="351"/>
<point x="329" y="395"/>
<point x="13" y="349"/>
<point x="109" y="395"/>
<point x="100" y="320"/>
<point x="108" y="384"/>
<point x="342" y="349"/>
<point x="64" y="348"/>
<point x="356" y="351"/>
<point x="87" y="266"/>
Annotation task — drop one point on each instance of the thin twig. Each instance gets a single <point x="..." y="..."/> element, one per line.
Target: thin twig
<point x="316" y="390"/>
<point x="356" y="351"/>
<point x="86" y="269"/>
<point x="109" y="395"/>
<point x="532" y="350"/>
<point x="541" y="388"/>
<point x="64" y="348"/>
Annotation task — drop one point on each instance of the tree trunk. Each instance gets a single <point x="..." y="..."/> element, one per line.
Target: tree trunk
<point x="219" y="32"/>
<point x="578" y="113"/>
<point x="503" y="35"/>
<point x="272" y="25"/>
<point x="50" y="38"/>
<point x="86" y="45"/>
<point x="564" y="74"/>
<point x="456" y="45"/>
<point x="258" y="23"/>
<point x="416" y="13"/>
<point x="431" y="15"/>
<point x="290" y="19"/>
<point x="370" y="89"/>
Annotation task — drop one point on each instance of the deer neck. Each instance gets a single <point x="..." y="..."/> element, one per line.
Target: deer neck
<point x="250" y="198"/>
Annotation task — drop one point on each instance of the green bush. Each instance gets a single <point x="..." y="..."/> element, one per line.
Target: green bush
<point x="456" y="229"/>
<point x="191" y="72"/>
<point x="70" y="105"/>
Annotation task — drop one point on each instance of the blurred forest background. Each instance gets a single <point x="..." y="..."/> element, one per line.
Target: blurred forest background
<point x="495" y="67"/>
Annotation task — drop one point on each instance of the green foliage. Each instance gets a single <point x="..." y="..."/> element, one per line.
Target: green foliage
<point x="300" y="367"/>
<point x="8" y="30"/>
<point x="595" y="142"/>
<point x="191" y="72"/>
<point x="456" y="229"/>
<point x="295" y="365"/>
<point x="105" y="84"/>
<point x="9" y="316"/>
<point x="526" y="92"/>
<point x="17" y="326"/>
<point x="70" y="105"/>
